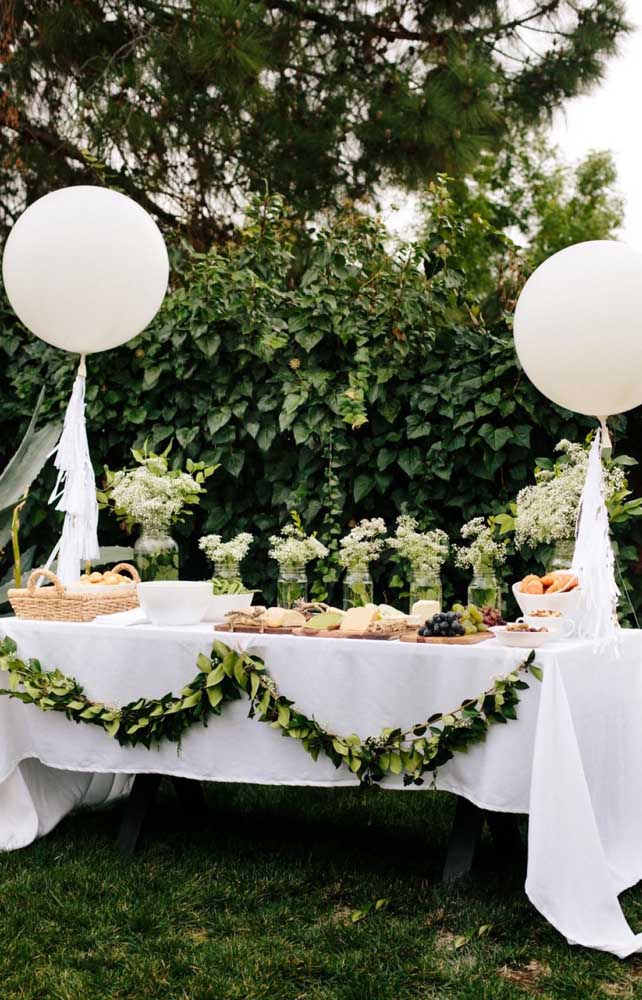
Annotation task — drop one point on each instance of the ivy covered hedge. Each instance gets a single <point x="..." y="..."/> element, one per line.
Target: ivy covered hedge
<point x="333" y="375"/>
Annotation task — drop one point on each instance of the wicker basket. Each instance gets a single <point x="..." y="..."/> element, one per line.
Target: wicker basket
<point x="57" y="604"/>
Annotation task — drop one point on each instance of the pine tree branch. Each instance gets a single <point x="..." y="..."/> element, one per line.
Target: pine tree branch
<point x="60" y="147"/>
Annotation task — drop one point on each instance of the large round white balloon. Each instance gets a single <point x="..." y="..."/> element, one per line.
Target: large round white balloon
<point x="85" y="268"/>
<point x="578" y="327"/>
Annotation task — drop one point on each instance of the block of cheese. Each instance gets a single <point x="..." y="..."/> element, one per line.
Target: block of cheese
<point x="358" y="619"/>
<point x="424" y="610"/>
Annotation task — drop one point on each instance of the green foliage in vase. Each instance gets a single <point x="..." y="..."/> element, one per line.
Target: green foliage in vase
<point x="183" y="106"/>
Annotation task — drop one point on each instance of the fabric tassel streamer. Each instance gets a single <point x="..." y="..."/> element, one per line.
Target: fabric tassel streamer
<point x="593" y="559"/>
<point x="75" y="489"/>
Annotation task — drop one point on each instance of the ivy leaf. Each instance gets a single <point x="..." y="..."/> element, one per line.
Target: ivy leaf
<point x="218" y="418"/>
<point x="496" y="437"/>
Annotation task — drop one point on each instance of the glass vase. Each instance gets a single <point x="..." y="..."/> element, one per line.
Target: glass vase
<point x="358" y="588"/>
<point x="562" y="555"/>
<point x="484" y="589"/>
<point x="292" y="586"/>
<point x="156" y="556"/>
<point x="227" y="578"/>
<point x="426" y="587"/>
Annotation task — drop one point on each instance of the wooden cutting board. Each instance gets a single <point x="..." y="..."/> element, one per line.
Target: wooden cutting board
<point x="336" y="633"/>
<point x="454" y="640"/>
<point x="255" y="628"/>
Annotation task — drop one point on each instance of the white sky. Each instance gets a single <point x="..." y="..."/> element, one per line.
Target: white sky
<point x="610" y="117"/>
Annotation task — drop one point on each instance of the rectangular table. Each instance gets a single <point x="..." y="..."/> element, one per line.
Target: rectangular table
<point x="571" y="760"/>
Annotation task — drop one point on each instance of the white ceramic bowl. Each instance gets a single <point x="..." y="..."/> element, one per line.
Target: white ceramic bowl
<point x="560" y="628"/>
<point x="567" y="603"/>
<point x="174" y="602"/>
<point x="219" y="604"/>
<point x="520" y="640"/>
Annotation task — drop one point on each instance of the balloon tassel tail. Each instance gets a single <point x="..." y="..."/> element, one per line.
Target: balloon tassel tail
<point x="75" y="489"/>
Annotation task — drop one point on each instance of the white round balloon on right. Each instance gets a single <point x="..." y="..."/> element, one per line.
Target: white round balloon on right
<point x="85" y="268"/>
<point x="578" y="328"/>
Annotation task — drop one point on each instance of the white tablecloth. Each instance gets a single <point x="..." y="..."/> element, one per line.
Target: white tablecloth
<point x="572" y="760"/>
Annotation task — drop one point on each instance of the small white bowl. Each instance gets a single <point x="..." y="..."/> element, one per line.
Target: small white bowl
<point x="219" y="604"/>
<point x="560" y="628"/>
<point x="520" y="640"/>
<point x="174" y="602"/>
<point x="568" y="603"/>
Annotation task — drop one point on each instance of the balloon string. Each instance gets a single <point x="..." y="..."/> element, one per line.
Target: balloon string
<point x="82" y="367"/>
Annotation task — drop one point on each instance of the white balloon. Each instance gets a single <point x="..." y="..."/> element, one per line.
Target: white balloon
<point x="578" y="327"/>
<point x="85" y="268"/>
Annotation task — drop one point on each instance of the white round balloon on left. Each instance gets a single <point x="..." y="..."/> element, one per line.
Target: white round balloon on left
<point x="85" y="268"/>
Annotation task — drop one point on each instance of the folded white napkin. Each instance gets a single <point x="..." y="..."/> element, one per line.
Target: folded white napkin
<point x="134" y="617"/>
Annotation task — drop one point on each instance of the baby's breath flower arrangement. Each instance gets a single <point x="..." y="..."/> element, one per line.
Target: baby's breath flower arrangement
<point x="293" y="549"/>
<point x="231" y="553"/>
<point x="425" y="551"/>
<point x="153" y="497"/>
<point x="363" y="544"/>
<point x="482" y="555"/>
<point x="226" y="557"/>
<point x="482" y="550"/>
<point x="546" y="512"/>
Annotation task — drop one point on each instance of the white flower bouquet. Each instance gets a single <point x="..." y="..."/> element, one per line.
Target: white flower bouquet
<point x="482" y="549"/>
<point x="546" y="512"/>
<point x="152" y="495"/>
<point x="292" y="547"/>
<point x="228" y="553"/>
<point x="363" y="544"/>
<point x="425" y="551"/>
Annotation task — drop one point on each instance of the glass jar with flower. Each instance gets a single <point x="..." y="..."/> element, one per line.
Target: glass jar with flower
<point x="483" y="554"/>
<point x="227" y="557"/>
<point x="426" y="553"/>
<point x="153" y="497"/>
<point x="363" y="544"/>
<point x="293" y="550"/>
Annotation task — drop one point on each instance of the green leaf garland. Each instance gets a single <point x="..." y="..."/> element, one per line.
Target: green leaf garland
<point x="228" y="674"/>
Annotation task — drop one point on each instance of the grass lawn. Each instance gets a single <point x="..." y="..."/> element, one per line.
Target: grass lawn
<point x="260" y="904"/>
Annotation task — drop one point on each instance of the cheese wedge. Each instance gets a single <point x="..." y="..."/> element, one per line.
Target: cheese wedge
<point x="358" y="619"/>
<point x="325" y="620"/>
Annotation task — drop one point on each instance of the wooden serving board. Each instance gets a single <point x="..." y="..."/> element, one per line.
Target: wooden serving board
<point x="454" y="640"/>
<point x="335" y="633"/>
<point x="267" y="630"/>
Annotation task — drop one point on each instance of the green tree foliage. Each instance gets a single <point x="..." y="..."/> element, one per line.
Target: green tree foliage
<point x="188" y="106"/>
<point x="366" y="382"/>
<point x="528" y="194"/>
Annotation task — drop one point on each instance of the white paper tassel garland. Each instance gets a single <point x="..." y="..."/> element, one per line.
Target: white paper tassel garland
<point x="75" y="489"/>
<point x="593" y="560"/>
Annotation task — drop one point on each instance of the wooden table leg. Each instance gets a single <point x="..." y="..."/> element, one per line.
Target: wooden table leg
<point x="464" y="840"/>
<point x="191" y="797"/>
<point x="141" y="799"/>
<point x="466" y="834"/>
